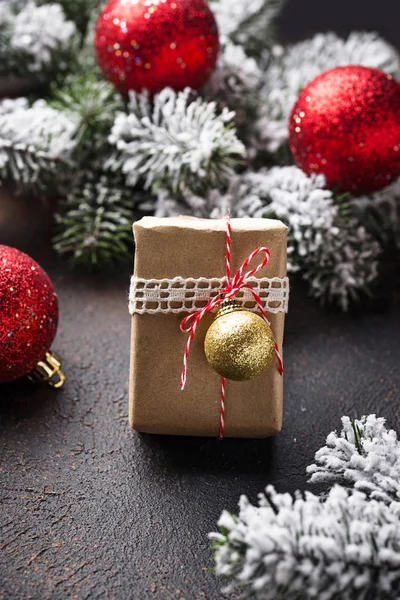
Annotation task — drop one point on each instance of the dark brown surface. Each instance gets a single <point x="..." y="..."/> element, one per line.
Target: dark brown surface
<point x="91" y="509"/>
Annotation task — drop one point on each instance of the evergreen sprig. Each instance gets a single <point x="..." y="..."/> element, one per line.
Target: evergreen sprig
<point x="174" y="141"/>
<point x="36" y="144"/>
<point x="364" y="456"/>
<point x="95" y="223"/>
<point x="335" y="253"/>
<point x="94" y="102"/>
<point x="36" y="41"/>
<point x="345" y="544"/>
<point x="184" y="147"/>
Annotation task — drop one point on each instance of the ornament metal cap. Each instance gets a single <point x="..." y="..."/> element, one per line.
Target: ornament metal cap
<point x="228" y="306"/>
<point x="49" y="371"/>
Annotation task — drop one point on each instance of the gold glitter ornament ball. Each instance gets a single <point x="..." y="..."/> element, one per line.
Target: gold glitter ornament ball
<point x="239" y="345"/>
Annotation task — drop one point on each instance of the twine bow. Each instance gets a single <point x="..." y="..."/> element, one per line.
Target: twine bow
<point x="233" y="286"/>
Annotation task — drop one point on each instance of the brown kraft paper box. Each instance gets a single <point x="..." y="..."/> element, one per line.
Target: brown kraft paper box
<point x="190" y="247"/>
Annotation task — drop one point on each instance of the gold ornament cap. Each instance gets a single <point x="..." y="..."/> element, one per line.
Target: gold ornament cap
<point x="228" y="306"/>
<point x="49" y="371"/>
<point x="239" y="345"/>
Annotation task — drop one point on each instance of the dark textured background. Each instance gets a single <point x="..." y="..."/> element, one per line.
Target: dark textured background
<point x="91" y="509"/>
<point x="303" y="18"/>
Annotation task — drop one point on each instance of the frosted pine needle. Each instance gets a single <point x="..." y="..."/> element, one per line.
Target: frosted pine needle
<point x="365" y="455"/>
<point x="34" y="141"/>
<point x="346" y="547"/>
<point x="345" y="544"/>
<point x="175" y="141"/>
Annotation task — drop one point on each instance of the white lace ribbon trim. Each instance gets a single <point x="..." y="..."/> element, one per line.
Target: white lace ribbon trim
<point x="153" y="296"/>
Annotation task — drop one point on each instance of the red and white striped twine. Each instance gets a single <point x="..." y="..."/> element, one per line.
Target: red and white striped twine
<point x="233" y="286"/>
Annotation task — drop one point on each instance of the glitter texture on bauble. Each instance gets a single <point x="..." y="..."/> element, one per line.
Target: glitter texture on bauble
<point x="144" y="44"/>
<point x="239" y="345"/>
<point x="346" y="125"/>
<point x="29" y="314"/>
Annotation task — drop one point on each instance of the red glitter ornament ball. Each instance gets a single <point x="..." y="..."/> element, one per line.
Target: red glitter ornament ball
<point x="152" y="44"/>
<point x="29" y="314"/>
<point x="346" y="125"/>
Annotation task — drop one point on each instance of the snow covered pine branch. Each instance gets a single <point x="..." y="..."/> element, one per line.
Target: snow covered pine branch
<point x="344" y="545"/>
<point x="364" y="456"/>
<point x="193" y="153"/>
<point x="34" y="143"/>
<point x="35" y="40"/>
<point x="177" y="141"/>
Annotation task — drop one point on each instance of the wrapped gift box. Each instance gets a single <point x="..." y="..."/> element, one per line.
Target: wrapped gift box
<point x="187" y="252"/>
